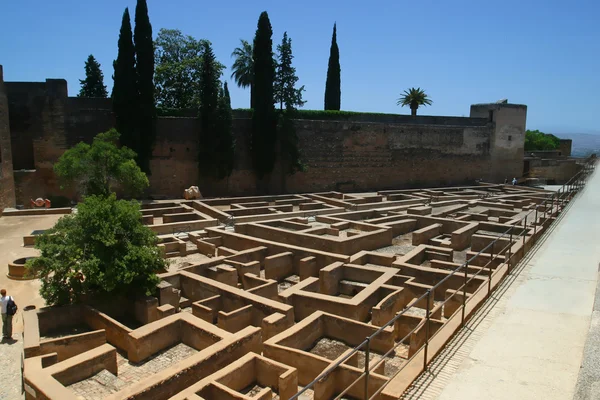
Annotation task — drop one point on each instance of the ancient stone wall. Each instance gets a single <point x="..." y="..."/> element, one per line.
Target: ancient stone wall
<point x="565" y="147"/>
<point x="339" y="156"/>
<point x="553" y="170"/>
<point x="508" y="141"/>
<point x="358" y="153"/>
<point x="368" y="156"/>
<point x="7" y="185"/>
<point x="44" y="124"/>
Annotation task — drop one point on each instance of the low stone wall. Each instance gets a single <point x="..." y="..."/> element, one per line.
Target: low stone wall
<point x="35" y="211"/>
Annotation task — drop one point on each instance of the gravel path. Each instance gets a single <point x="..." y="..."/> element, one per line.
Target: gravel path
<point x="10" y="369"/>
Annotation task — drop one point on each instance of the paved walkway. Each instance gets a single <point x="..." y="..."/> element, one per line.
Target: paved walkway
<point x="10" y="369"/>
<point x="528" y="341"/>
<point x="12" y="230"/>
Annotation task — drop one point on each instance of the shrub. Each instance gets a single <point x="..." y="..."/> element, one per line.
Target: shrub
<point x="103" y="249"/>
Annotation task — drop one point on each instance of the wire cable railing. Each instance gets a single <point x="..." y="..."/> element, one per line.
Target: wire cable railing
<point x="516" y="234"/>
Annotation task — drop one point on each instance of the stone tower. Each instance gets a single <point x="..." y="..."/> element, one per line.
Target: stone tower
<point x="7" y="182"/>
<point x="507" y="144"/>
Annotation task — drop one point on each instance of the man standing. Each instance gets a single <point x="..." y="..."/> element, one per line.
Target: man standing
<point x="6" y="315"/>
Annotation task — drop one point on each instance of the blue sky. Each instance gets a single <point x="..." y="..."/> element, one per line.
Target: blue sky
<point x="545" y="54"/>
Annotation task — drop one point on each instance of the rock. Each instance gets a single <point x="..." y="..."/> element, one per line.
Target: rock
<point x="192" y="193"/>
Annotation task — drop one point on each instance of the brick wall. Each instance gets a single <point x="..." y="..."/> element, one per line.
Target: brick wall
<point x="370" y="156"/>
<point x="7" y="185"/>
<point x="339" y="156"/>
<point x="553" y="170"/>
<point x="347" y="155"/>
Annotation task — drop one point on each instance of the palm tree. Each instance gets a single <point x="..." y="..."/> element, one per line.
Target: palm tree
<point x="414" y="98"/>
<point x="243" y="67"/>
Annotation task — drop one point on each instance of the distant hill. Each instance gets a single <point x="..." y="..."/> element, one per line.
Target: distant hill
<point x="584" y="144"/>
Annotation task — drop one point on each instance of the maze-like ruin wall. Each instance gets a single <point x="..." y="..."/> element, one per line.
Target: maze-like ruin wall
<point x="364" y="152"/>
<point x="266" y="293"/>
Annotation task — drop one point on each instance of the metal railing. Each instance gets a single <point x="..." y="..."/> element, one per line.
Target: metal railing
<point x="552" y="206"/>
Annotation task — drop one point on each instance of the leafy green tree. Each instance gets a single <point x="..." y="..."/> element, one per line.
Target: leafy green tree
<point x="178" y="61"/>
<point x="333" y="84"/>
<point x="124" y="93"/>
<point x="286" y="79"/>
<point x="93" y="84"/>
<point x="536" y="141"/>
<point x="243" y="67"/>
<point x="414" y="98"/>
<point x="102" y="167"/>
<point x="144" y="68"/>
<point x="102" y="250"/>
<point x="289" y="96"/>
<point x="264" y="119"/>
<point x="209" y="114"/>
<point x="226" y="144"/>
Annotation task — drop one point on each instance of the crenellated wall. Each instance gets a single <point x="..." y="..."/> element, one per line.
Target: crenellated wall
<point x="360" y="153"/>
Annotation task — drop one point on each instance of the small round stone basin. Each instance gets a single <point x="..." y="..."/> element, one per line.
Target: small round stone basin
<point x="17" y="270"/>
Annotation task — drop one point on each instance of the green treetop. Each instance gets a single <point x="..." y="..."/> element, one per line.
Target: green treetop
<point x="178" y="61"/>
<point x="414" y="98"/>
<point x="536" y="140"/>
<point x="93" y="84"/>
<point x="102" y="167"/>
<point x="243" y="67"/>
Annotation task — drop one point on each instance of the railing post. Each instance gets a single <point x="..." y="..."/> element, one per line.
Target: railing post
<point x="570" y="190"/>
<point x="535" y="222"/>
<point x="524" y="234"/>
<point x="509" y="250"/>
<point x="367" y="356"/>
<point x="490" y="269"/>
<point x="427" y="330"/>
<point x="464" y="299"/>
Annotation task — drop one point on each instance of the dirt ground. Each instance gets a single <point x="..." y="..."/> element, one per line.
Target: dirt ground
<point x="12" y="230"/>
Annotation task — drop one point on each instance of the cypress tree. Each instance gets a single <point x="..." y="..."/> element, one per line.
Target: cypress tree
<point x="144" y="51"/>
<point x="226" y="95"/>
<point x="226" y="145"/>
<point x="286" y="93"/>
<point x="93" y="84"/>
<point x="264" y="119"/>
<point x="124" y="92"/>
<point x="209" y="115"/>
<point x="333" y="85"/>
<point x="289" y="97"/>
